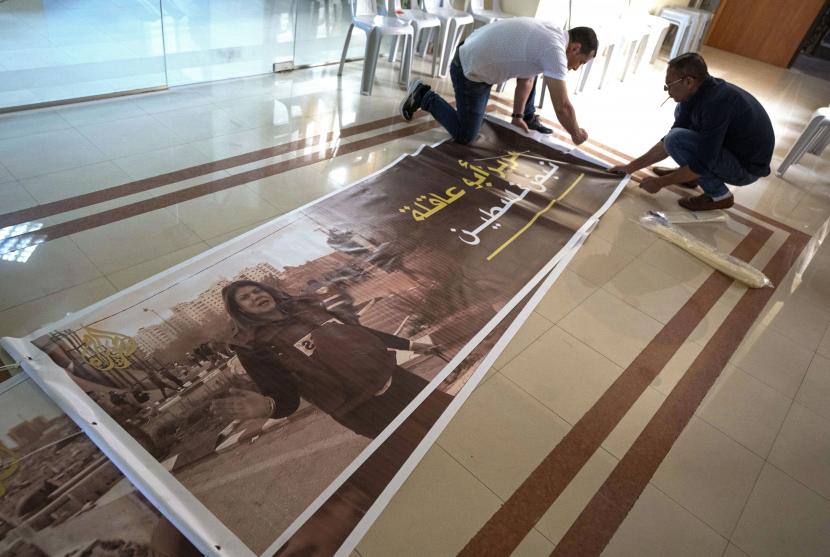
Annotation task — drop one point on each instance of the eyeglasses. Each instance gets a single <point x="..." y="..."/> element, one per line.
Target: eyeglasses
<point x="667" y="85"/>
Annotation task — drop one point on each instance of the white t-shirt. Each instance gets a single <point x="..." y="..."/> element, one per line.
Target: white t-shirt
<point x="515" y="47"/>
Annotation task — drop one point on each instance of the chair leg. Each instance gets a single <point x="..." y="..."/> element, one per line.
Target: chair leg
<point x="438" y="55"/>
<point x="821" y="140"/>
<point x="345" y="49"/>
<point x="406" y="62"/>
<point x="542" y="89"/>
<point x="370" y="61"/>
<point x="800" y="146"/>
<point x="659" y="44"/>
<point x="393" y="50"/>
<point x="586" y="71"/>
<point x="632" y="48"/>
<point x="609" y="53"/>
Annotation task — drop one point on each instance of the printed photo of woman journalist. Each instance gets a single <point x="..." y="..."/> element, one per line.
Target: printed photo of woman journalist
<point x="293" y="348"/>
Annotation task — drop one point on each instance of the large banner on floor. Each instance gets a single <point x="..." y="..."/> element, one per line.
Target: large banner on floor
<point x="243" y="390"/>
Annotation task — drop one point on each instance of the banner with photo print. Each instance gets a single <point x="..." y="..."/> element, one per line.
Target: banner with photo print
<point x="288" y="374"/>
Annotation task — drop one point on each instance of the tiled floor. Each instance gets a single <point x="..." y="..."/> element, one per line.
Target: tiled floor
<point x="749" y="474"/>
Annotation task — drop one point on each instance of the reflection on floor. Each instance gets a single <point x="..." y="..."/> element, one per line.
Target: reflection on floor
<point x="125" y="188"/>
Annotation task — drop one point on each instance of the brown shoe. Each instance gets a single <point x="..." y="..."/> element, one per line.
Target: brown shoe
<point x="663" y="170"/>
<point x="705" y="203"/>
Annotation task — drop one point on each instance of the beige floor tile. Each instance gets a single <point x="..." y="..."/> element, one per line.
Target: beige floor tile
<point x="800" y="318"/>
<point x="222" y="238"/>
<point x="783" y="517"/>
<point x="802" y="449"/>
<point x="676" y="367"/>
<point x="619" y="225"/>
<point x="161" y="161"/>
<point x="598" y="260"/>
<point x="611" y="327"/>
<point x="49" y="268"/>
<point x="437" y="510"/>
<point x="555" y="523"/>
<point x="815" y="390"/>
<point x="744" y="408"/>
<point x="13" y="197"/>
<point x="501" y="434"/>
<point x="221" y="212"/>
<point x="676" y="262"/>
<point x="25" y="318"/>
<point x="292" y="189"/>
<point x="657" y="527"/>
<point x="132" y="275"/>
<point x="710" y="323"/>
<point x="774" y="359"/>
<point x="654" y="292"/>
<point x="632" y="424"/>
<point x="77" y="181"/>
<point x="567" y="292"/>
<point x="126" y="243"/>
<point x="824" y="347"/>
<point x="530" y="330"/>
<point x="734" y="551"/>
<point x="709" y="474"/>
<point x="534" y="545"/>
<point x="563" y="373"/>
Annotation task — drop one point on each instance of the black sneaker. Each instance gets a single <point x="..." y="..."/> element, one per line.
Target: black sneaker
<point x="412" y="101"/>
<point x="533" y="123"/>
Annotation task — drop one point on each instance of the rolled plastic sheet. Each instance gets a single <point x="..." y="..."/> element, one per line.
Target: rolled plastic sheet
<point x="723" y="262"/>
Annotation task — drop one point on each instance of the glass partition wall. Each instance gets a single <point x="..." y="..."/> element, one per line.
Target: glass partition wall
<point x="54" y="51"/>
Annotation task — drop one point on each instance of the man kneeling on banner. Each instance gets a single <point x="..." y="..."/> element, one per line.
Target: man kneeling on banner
<point x="293" y="347"/>
<point x="521" y="48"/>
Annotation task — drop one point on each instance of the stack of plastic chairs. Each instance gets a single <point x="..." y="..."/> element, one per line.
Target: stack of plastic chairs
<point x="376" y="26"/>
<point x="421" y="21"/>
<point x="452" y="27"/>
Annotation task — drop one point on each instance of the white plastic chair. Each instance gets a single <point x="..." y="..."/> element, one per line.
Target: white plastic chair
<point x="376" y="26"/>
<point x="420" y="21"/>
<point x="453" y="23"/>
<point x="814" y="139"/>
<point x="476" y="9"/>
<point x="684" y="22"/>
<point x="701" y="20"/>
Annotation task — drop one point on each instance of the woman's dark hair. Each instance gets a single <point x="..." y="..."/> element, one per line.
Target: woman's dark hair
<point x="690" y="64"/>
<point x="245" y="320"/>
<point x="586" y="37"/>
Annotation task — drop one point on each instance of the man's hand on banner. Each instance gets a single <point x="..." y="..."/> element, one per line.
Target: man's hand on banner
<point x="243" y="405"/>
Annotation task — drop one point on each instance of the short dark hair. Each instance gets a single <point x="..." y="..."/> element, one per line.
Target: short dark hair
<point x="690" y="64"/>
<point x="586" y="37"/>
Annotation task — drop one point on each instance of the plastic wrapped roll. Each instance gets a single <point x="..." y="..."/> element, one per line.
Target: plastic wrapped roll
<point x="725" y="263"/>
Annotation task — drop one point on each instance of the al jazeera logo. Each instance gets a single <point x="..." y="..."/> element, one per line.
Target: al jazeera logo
<point x="105" y="350"/>
<point x="8" y="466"/>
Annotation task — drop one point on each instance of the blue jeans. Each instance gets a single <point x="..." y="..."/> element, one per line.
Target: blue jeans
<point x="464" y="121"/>
<point x="682" y="145"/>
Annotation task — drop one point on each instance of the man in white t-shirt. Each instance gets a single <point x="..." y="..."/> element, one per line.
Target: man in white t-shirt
<point x="521" y="48"/>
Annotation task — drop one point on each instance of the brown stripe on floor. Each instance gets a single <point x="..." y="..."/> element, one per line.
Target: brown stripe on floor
<point x="146" y="184"/>
<point x="506" y="529"/>
<point x="604" y="514"/>
<point x="62" y="229"/>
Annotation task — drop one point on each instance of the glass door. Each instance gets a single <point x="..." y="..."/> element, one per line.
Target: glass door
<point x="53" y="50"/>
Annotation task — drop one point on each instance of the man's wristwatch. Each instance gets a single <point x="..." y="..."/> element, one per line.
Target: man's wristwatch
<point x="517" y="115"/>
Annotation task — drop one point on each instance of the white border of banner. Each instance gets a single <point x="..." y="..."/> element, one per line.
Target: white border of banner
<point x="178" y="504"/>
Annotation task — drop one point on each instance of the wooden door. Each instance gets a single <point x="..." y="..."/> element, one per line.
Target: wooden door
<point x="766" y="30"/>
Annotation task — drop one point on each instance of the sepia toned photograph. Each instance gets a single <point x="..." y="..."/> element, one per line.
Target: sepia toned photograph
<point x="61" y="496"/>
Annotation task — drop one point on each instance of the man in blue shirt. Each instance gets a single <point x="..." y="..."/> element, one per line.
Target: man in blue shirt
<point x="721" y="135"/>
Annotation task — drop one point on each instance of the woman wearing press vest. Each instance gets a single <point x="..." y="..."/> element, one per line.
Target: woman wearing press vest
<point x="293" y="347"/>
